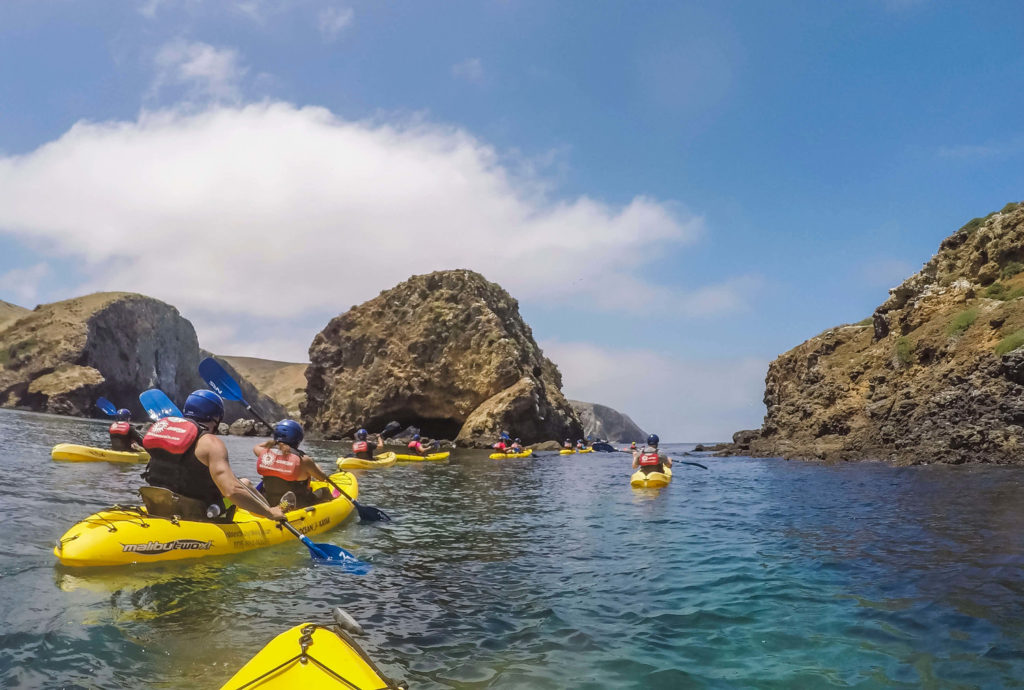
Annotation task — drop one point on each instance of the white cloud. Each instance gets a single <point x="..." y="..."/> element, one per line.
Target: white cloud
<point x="332" y="20"/>
<point x="270" y="210"/>
<point x="206" y="72"/>
<point x="471" y="69"/>
<point x="21" y="285"/>
<point x="678" y="399"/>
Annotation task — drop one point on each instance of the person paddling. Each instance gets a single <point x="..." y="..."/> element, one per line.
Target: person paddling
<point x="648" y="460"/>
<point x="516" y="447"/>
<point x="191" y="464"/>
<point x="285" y="468"/>
<point x="580" y="445"/>
<point x="503" y="444"/>
<point x="123" y="436"/>
<point x="567" y="444"/>
<point x="416" y="446"/>
<point x="364" y="448"/>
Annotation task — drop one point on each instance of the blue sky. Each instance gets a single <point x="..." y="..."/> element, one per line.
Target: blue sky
<point x="676" y="192"/>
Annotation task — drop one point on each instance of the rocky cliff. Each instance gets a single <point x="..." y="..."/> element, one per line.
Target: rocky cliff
<point x="446" y="352"/>
<point x="935" y="375"/>
<point x="284" y="382"/>
<point x="60" y="357"/>
<point x="603" y="422"/>
<point x="10" y="312"/>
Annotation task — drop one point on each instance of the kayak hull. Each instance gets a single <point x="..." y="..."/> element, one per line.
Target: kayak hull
<point x="310" y="657"/>
<point x="69" y="452"/>
<point x="566" y="451"/>
<point x="502" y="456"/>
<point x="128" y="534"/>
<point x="383" y="460"/>
<point x="432" y="457"/>
<point x="654" y="480"/>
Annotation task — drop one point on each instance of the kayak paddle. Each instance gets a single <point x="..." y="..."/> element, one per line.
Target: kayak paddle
<point x="222" y="382"/>
<point x="158" y="405"/>
<point x="325" y="554"/>
<point x="106" y="407"/>
<point x="684" y="462"/>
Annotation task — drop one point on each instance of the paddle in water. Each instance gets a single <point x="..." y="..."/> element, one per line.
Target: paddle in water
<point x="158" y="405"/>
<point x="325" y="554"/>
<point x="225" y="385"/>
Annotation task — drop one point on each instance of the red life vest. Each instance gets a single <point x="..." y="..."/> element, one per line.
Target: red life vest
<point x="649" y="459"/>
<point x="500" y="445"/>
<point x="273" y="462"/>
<point x="172" y="434"/>
<point x="416" y="446"/>
<point x="120" y="428"/>
<point x="359" y="447"/>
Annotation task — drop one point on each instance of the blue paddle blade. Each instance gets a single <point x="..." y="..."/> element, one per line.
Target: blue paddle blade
<point x="220" y="380"/>
<point x="158" y="405"/>
<point x="106" y="407"/>
<point x="329" y="554"/>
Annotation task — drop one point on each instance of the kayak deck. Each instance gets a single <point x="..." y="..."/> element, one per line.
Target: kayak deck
<point x="432" y="457"/>
<point x="654" y="480"/>
<point x="128" y="534"/>
<point x="70" y="452"/>
<point x="383" y="460"/>
<point x="501" y="456"/>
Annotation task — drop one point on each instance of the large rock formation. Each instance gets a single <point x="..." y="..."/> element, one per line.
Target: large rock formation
<point x="60" y="357"/>
<point x="446" y="352"/>
<point x="935" y="375"/>
<point x="284" y="382"/>
<point x="603" y="422"/>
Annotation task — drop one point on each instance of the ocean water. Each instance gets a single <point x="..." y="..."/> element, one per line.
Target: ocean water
<point x="547" y="572"/>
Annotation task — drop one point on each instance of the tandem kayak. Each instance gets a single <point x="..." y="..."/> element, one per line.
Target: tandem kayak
<point x="128" y="534"/>
<point x="382" y="460"/>
<point x="420" y="458"/>
<point x="654" y="480"/>
<point x="501" y="456"/>
<point x="311" y="656"/>
<point x="69" y="452"/>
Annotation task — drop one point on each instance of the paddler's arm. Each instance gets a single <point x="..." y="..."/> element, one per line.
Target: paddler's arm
<point x="212" y="452"/>
<point x="309" y="464"/>
<point x="666" y="460"/>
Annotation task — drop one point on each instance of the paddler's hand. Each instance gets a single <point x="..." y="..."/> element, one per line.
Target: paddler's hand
<point x="276" y="514"/>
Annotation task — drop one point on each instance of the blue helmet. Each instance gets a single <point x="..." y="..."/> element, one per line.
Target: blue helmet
<point x="289" y="431"/>
<point x="361" y="434"/>
<point x="416" y="437"/>
<point x="504" y="434"/>
<point x="124" y="415"/>
<point x="653" y="440"/>
<point x="203" y="406"/>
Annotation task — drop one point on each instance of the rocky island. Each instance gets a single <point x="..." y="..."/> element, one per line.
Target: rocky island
<point x="935" y="375"/>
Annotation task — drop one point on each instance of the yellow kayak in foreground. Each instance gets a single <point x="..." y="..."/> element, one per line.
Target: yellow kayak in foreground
<point x="383" y="460"/>
<point x="309" y="657"/>
<point x="69" y="452"/>
<point x="128" y="534"/>
<point x="654" y="480"/>
<point x="501" y="456"/>
<point x="435" y="457"/>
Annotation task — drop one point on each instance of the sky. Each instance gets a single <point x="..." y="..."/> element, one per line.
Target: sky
<point x="675" y="192"/>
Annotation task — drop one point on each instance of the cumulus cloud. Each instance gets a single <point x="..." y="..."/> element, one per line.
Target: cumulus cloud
<point x="471" y="69"/>
<point x="680" y="399"/>
<point x="204" y="71"/>
<point x="332" y="20"/>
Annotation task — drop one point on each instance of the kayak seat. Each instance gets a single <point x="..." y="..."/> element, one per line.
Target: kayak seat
<point x="161" y="502"/>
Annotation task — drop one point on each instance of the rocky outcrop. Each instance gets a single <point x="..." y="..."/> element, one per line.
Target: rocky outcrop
<point x="284" y="382"/>
<point x="600" y="421"/>
<point x="935" y="375"/>
<point x="446" y="352"/>
<point x="60" y="357"/>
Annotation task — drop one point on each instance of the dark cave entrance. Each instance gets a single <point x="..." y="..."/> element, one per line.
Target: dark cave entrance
<point x="433" y="427"/>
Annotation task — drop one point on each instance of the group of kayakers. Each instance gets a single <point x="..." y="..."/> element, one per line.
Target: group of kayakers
<point x="506" y="444"/>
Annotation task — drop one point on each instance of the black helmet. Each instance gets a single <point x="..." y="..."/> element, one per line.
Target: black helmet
<point x="653" y="440"/>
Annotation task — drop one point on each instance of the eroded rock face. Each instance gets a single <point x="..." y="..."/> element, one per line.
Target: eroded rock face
<point x="600" y="421"/>
<point x="446" y="352"/>
<point x="60" y="357"/>
<point x="935" y="376"/>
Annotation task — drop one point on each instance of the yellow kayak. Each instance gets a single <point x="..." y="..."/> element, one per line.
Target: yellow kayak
<point x="69" y="452"/>
<point x="128" y="534"/>
<point x="311" y="656"/>
<point x="586" y="450"/>
<point x="420" y="458"/>
<point x="501" y="456"/>
<point x="383" y="460"/>
<point x="566" y="451"/>
<point x="654" y="480"/>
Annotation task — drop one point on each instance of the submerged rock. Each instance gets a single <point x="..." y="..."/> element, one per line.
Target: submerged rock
<point x="935" y="375"/>
<point x="447" y="353"/>
<point x="601" y="421"/>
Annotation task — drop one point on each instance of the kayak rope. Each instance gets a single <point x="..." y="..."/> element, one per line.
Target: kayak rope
<point x="303" y="657"/>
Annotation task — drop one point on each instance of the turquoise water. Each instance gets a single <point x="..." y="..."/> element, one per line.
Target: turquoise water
<point x="547" y="573"/>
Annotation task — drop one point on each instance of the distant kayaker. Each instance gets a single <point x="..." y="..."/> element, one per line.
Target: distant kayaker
<point x="188" y="460"/>
<point x="504" y="443"/>
<point x="416" y="446"/>
<point x="567" y="444"/>
<point x="285" y="468"/>
<point x="580" y="445"/>
<point x="123" y="436"/>
<point x="364" y="448"/>
<point x="648" y="460"/>
<point x="516" y="447"/>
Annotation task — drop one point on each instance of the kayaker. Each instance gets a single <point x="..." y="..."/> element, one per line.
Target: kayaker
<point x="123" y="436"/>
<point x="416" y="446"/>
<point x="285" y="468"/>
<point x="567" y="444"/>
<point x="648" y="460"/>
<point x="516" y="447"/>
<point x="364" y="448"/>
<point x="580" y="445"/>
<point x="188" y="460"/>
